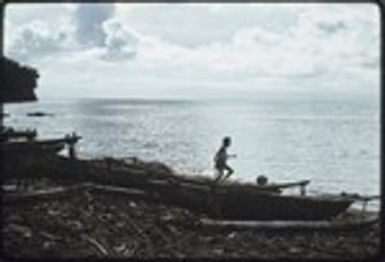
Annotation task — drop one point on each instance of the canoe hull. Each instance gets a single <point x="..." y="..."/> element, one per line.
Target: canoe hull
<point x="32" y="147"/>
<point x="264" y="206"/>
<point x="225" y="202"/>
<point x="253" y="205"/>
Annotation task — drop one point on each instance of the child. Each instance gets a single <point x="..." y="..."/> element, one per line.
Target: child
<point x="220" y="160"/>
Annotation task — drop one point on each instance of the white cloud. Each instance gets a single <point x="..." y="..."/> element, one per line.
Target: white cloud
<point x="183" y="46"/>
<point x="37" y="39"/>
<point x="89" y="19"/>
<point x="20" y="14"/>
<point x="195" y="24"/>
<point x="120" y="43"/>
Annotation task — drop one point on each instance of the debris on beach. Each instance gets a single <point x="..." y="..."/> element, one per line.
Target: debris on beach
<point x="85" y="223"/>
<point x="77" y="221"/>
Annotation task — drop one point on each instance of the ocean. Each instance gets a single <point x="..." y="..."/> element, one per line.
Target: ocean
<point x="335" y="144"/>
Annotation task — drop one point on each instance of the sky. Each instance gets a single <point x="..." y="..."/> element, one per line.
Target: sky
<point x="216" y="50"/>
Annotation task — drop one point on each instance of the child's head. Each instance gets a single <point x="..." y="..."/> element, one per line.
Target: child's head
<point x="226" y="141"/>
<point x="261" y="180"/>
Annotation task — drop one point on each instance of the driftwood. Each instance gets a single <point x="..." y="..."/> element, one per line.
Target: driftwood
<point x="290" y="225"/>
<point x="58" y="192"/>
<point x="126" y="230"/>
<point x="289" y="184"/>
<point x="96" y="244"/>
<point x="39" y="194"/>
<point x="123" y="190"/>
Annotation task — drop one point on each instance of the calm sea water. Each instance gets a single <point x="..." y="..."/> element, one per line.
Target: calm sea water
<point x="334" y="144"/>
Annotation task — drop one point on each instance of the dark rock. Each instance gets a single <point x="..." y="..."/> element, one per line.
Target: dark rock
<point x="39" y="114"/>
<point x="17" y="81"/>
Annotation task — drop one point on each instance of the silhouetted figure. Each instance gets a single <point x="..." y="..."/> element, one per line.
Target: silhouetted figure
<point x="220" y="160"/>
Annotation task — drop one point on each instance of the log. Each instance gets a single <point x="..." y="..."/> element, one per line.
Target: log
<point x="132" y="193"/>
<point x="40" y="194"/>
<point x="289" y="225"/>
<point x="301" y="183"/>
<point x="63" y="191"/>
<point x="96" y="244"/>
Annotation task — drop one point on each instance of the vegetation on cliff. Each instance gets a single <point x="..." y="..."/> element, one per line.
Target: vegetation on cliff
<point x="17" y="81"/>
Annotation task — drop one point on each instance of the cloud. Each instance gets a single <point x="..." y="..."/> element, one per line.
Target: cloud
<point x="331" y="28"/>
<point x="239" y="46"/>
<point x="21" y="14"/>
<point x="312" y="42"/>
<point x="87" y="31"/>
<point x="89" y="19"/>
<point x="120" y="43"/>
<point x="193" y="24"/>
<point x="37" y="39"/>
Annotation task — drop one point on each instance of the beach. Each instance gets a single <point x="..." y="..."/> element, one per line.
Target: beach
<point x="100" y="225"/>
<point x="83" y="223"/>
<point x="191" y="130"/>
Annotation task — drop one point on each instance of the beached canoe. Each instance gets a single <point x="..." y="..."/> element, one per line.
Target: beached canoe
<point x="225" y="201"/>
<point x="12" y="148"/>
<point x="9" y="134"/>
<point x="245" y="205"/>
<point x="238" y="204"/>
<point x="231" y="206"/>
<point x="229" y="201"/>
<point x="23" y="148"/>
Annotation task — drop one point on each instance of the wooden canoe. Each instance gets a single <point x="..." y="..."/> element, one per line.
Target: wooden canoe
<point x="229" y="201"/>
<point x="9" y="134"/>
<point x="10" y="148"/>
<point x="238" y="204"/>
<point x="245" y="205"/>
<point x="35" y="146"/>
<point x="233" y="202"/>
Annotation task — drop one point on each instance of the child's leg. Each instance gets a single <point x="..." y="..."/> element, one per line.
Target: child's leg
<point x="230" y="171"/>
<point x="220" y="173"/>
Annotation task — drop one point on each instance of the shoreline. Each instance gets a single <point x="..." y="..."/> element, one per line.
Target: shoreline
<point x="88" y="223"/>
<point x="371" y="207"/>
<point x="136" y="229"/>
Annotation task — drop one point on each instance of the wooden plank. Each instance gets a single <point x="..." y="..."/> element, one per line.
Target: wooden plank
<point x="289" y="225"/>
<point x="60" y="191"/>
<point x="39" y="194"/>
<point x="131" y="193"/>
<point x="114" y="189"/>
<point x="286" y="185"/>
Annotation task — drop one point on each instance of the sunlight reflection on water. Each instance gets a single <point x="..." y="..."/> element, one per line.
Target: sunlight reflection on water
<point x="334" y="144"/>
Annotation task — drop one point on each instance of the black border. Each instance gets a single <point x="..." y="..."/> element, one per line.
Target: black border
<point x="380" y="4"/>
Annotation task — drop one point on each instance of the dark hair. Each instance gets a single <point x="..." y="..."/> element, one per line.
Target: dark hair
<point x="261" y="180"/>
<point x="226" y="140"/>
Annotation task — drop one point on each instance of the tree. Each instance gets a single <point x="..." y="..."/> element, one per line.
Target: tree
<point x="17" y="82"/>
